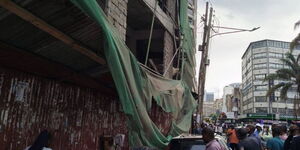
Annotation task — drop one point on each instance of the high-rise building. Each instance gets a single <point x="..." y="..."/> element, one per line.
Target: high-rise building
<point x="209" y="96"/>
<point x="259" y="60"/>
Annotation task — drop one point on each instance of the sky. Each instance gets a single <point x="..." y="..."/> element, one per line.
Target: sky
<point x="276" y="19"/>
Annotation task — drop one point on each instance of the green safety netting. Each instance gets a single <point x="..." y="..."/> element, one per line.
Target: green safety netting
<point x="137" y="86"/>
<point x="188" y="47"/>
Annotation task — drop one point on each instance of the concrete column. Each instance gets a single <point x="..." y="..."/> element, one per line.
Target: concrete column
<point x="169" y="48"/>
<point x="116" y="11"/>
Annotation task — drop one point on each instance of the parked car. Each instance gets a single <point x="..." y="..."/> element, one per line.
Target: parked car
<point x="192" y="142"/>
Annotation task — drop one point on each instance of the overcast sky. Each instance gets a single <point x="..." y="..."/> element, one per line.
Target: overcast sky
<point x="275" y="17"/>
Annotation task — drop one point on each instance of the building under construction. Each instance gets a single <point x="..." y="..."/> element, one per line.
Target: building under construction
<point x="90" y="70"/>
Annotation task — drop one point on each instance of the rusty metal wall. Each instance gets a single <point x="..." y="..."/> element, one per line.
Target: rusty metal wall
<point x="77" y="117"/>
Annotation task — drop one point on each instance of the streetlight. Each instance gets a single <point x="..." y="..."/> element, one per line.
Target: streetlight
<point x="204" y="57"/>
<point x="236" y="30"/>
<point x="204" y="60"/>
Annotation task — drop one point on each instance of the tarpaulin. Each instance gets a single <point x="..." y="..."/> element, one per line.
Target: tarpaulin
<point x="137" y="86"/>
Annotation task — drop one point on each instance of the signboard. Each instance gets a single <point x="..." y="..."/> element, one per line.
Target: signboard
<point x="230" y="115"/>
<point x="282" y="116"/>
<point x="263" y="116"/>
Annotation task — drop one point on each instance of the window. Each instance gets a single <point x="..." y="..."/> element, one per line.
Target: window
<point x="278" y="44"/>
<point x="260" y="66"/>
<point x="248" y="81"/>
<point x="290" y="100"/>
<point x="247" y="101"/>
<point x="259" y="76"/>
<point x="259" y="44"/>
<point x="280" y="100"/>
<point x="260" y="99"/>
<point x="286" y="45"/>
<point x="261" y="110"/>
<point x="286" y="66"/>
<point x="260" y="55"/>
<point x="290" y="111"/>
<point x="248" y="111"/>
<point x="261" y="87"/>
<point x="247" y="71"/>
<point x="275" y="55"/>
<point x="281" y="110"/>
<point x="275" y="66"/>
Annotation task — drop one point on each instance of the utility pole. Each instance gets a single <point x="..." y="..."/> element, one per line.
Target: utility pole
<point x="203" y="65"/>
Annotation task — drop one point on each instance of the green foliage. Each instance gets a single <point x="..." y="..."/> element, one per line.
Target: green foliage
<point x="290" y="76"/>
<point x="213" y="116"/>
<point x="296" y="40"/>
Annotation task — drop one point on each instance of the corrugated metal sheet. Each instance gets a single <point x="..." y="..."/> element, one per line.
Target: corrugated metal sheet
<point x="76" y="116"/>
<point x="64" y="16"/>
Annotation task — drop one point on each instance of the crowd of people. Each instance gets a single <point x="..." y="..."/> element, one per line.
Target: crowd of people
<point x="253" y="136"/>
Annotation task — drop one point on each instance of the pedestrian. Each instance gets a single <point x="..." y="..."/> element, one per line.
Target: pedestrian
<point x="292" y="133"/>
<point x="246" y="142"/>
<point x="251" y="129"/>
<point x="266" y="131"/>
<point x="41" y="142"/>
<point x="258" y="130"/>
<point x="220" y="130"/>
<point x="197" y="129"/>
<point x="233" y="140"/>
<point x="265" y="135"/>
<point x="283" y="132"/>
<point x="275" y="143"/>
<point x="295" y="144"/>
<point x="209" y="138"/>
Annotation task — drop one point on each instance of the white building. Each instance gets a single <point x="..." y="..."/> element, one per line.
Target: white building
<point x="261" y="59"/>
<point x="228" y="90"/>
<point x="208" y="108"/>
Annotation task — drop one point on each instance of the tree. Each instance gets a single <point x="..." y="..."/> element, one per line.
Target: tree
<point x="213" y="117"/>
<point x="296" y="40"/>
<point x="289" y="77"/>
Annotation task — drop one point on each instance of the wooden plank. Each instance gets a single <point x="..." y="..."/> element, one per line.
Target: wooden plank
<point x="21" y="60"/>
<point x="163" y="18"/>
<point x="39" y="23"/>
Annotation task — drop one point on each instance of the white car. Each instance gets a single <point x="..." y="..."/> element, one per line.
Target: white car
<point x="192" y="142"/>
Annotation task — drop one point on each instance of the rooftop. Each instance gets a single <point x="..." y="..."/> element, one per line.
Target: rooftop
<point x="286" y="46"/>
